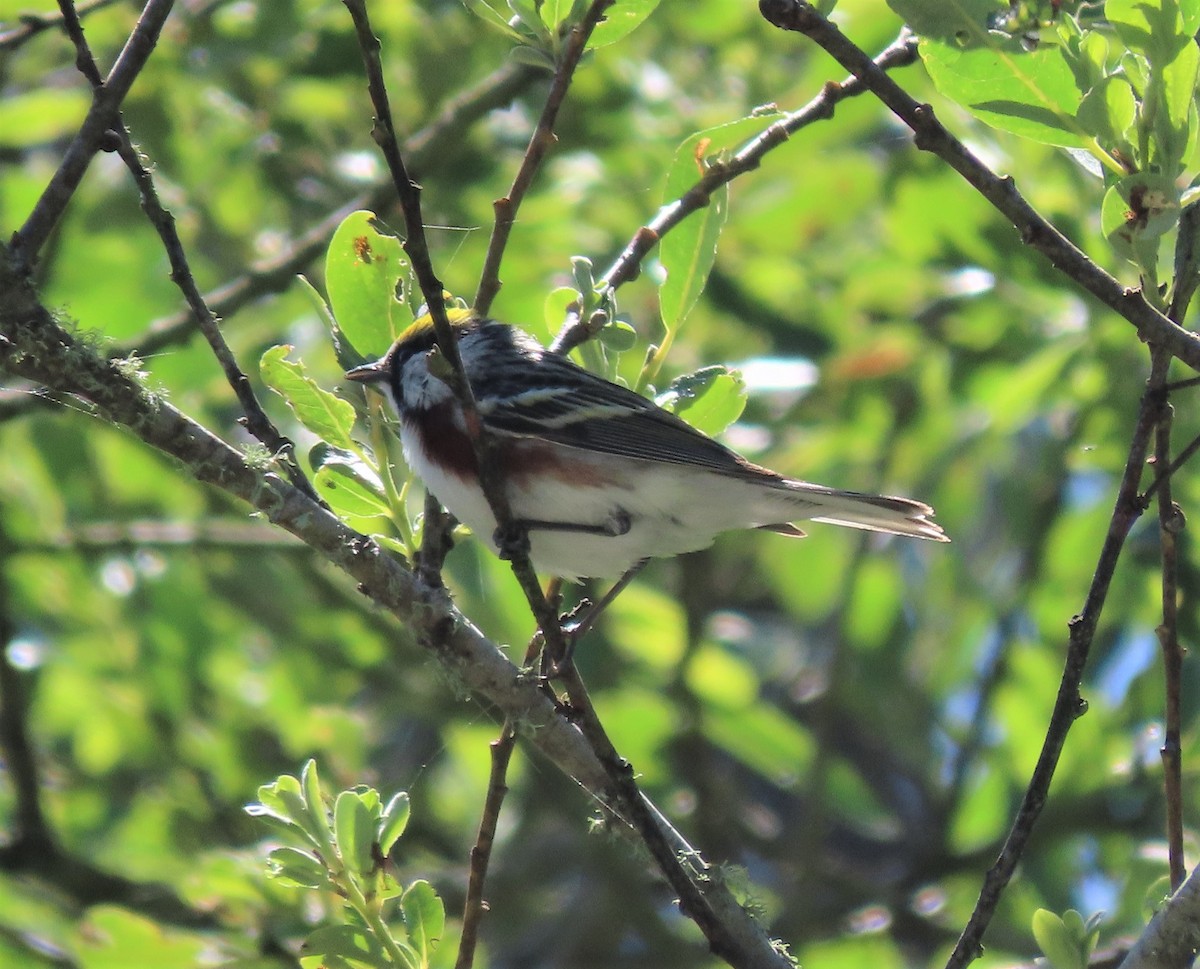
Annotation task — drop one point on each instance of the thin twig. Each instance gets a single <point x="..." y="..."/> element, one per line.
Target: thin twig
<point x="29" y="239"/>
<point x="539" y="143"/>
<point x="474" y="907"/>
<point x="1036" y="231"/>
<point x="84" y="60"/>
<point x="274" y="275"/>
<point x="415" y="244"/>
<point x="1163" y="476"/>
<point x="256" y="420"/>
<point x="1069" y="704"/>
<point x="255" y="417"/>
<point x="899" y="53"/>
<point x="33" y="24"/>
<point x="1170" y="523"/>
<point x="685" y="874"/>
<point x="514" y="538"/>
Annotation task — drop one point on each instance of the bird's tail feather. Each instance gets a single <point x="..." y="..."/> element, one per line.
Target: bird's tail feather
<point x="874" y="513"/>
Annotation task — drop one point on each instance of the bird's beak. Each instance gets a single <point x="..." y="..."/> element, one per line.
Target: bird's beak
<point x="368" y="373"/>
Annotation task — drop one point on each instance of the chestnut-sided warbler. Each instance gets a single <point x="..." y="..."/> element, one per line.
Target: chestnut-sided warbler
<point x="600" y="476"/>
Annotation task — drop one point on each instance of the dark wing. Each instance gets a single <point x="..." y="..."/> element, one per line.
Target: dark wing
<point x="560" y="402"/>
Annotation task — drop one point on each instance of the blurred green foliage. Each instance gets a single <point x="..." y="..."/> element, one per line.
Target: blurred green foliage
<point x="846" y="722"/>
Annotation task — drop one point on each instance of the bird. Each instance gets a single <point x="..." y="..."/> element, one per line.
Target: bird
<point x="600" y="478"/>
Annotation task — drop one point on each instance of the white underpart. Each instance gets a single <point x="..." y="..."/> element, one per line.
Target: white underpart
<point x="672" y="510"/>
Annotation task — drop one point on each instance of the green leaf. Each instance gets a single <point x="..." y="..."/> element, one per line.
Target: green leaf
<point x="317" y="818"/>
<point x="1032" y="93"/>
<point x="343" y="947"/>
<point x="355" y="832"/>
<point x="1027" y="93"/>
<point x="710" y="399"/>
<point x="1174" y="125"/>
<point x="325" y="414"/>
<point x="282" y="798"/>
<point x="394" y="821"/>
<point x="961" y="22"/>
<point x="345" y="481"/>
<point x="532" y="56"/>
<point x="530" y="22"/>
<point x="366" y="272"/>
<point x="1055" y="940"/>
<point x="619" y="20"/>
<point x="582" y="272"/>
<point x="1153" y="27"/>
<point x="554" y="307"/>
<point x="283" y="801"/>
<point x="424" y="918"/>
<point x="348" y="493"/>
<point x="1086" y="52"/>
<point x="1108" y="112"/>
<point x="297" y="868"/>
<point x="688" y="251"/>
<point x="488" y="13"/>
<point x="1073" y="923"/>
<point x="618" y="336"/>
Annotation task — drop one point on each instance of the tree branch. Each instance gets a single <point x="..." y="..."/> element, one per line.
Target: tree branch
<point x="29" y="239"/>
<point x="1036" y="230"/>
<point x="256" y="420"/>
<point x="539" y="144"/>
<point x="1172" y="938"/>
<point x="1170" y="524"/>
<point x="899" y="53"/>
<point x="33" y="24"/>
<point x="1069" y="704"/>
<point x="474" y="907"/>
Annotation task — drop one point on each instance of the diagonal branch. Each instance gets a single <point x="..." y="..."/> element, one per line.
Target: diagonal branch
<point x="33" y="24"/>
<point x="899" y="53"/>
<point x="1036" y="230"/>
<point x="29" y="239"/>
<point x="256" y="420"/>
<point x="1069" y="705"/>
<point x="539" y="143"/>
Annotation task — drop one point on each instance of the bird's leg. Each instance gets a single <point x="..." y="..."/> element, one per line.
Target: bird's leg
<point x="513" y="539"/>
<point x="574" y="629"/>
